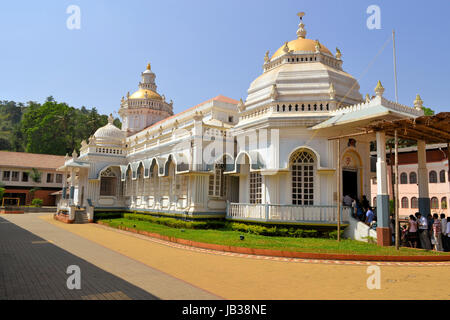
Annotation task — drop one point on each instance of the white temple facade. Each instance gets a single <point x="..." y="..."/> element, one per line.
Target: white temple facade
<point x="271" y="157"/>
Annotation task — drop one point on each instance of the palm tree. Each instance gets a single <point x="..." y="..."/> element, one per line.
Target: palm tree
<point x="34" y="175"/>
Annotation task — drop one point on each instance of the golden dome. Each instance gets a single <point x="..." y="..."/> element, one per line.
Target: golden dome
<point x="140" y="94"/>
<point x="302" y="44"/>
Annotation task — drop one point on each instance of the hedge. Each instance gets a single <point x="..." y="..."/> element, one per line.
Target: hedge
<point x="265" y="230"/>
<point x="281" y="231"/>
<point x="107" y="215"/>
<point x="176" y="223"/>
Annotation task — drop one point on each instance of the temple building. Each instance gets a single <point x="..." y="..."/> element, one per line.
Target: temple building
<point x="283" y="154"/>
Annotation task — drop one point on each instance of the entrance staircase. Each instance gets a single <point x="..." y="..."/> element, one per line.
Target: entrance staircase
<point x="81" y="217"/>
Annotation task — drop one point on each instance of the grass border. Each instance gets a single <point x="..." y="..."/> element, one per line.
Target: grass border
<point x="284" y="254"/>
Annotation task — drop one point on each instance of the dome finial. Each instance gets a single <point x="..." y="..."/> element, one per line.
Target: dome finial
<point x="149" y="66"/>
<point x="110" y="119"/>
<point x="379" y="89"/>
<point x="301" y="32"/>
<point x="418" y="103"/>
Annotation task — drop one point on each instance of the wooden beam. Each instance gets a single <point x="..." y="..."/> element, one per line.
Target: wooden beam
<point x="436" y="131"/>
<point x="351" y="135"/>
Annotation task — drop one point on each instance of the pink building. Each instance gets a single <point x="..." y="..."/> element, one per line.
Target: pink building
<point x="438" y="179"/>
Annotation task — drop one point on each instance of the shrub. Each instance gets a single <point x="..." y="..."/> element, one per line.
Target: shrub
<point x="175" y="223"/>
<point x="107" y="215"/>
<point x="36" y="202"/>
<point x="278" y="231"/>
<point x="2" y="192"/>
<point x="333" y="234"/>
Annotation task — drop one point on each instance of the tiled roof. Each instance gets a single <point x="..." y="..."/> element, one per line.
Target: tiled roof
<point x="218" y="98"/>
<point x="30" y="160"/>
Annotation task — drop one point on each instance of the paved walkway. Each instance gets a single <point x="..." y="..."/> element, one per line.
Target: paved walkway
<point x="237" y="277"/>
<point x="34" y="256"/>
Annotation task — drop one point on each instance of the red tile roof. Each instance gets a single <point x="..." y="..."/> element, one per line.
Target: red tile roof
<point x="30" y="160"/>
<point x="218" y="98"/>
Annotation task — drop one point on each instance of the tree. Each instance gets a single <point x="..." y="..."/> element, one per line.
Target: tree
<point x="428" y="111"/>
<point x="51" y="128"/>
<point x="5" y="144"/>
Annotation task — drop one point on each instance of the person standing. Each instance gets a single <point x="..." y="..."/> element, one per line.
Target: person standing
<point x="347" y="200"/>
<point x="447" y="232"/>
<point x="443" y="232"/>
<point x="369" y="216"/>
<point x="436" y="235"/>
<point x="365" y="203"/>
<point x="423" y="231"/>
<point x="412" y="232"/>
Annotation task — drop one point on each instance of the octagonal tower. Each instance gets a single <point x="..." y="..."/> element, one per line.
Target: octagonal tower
<point x="145" y="106"/>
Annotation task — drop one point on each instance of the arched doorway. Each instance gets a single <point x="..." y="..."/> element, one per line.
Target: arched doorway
<point x="351" y="174"/>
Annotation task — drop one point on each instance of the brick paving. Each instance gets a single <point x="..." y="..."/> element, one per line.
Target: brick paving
<point x="34" y="268"/>
<point x="272" y="258"/>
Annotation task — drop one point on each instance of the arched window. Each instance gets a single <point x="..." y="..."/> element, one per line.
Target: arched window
<point x="302" y="168"/>
<point x="140" y="180"/>
<point x="405" y="202"/>
<point x="155" y="180"/>
<point x="374" y="203"/>
<point x="434" y="203"/>
<point x="128" y="183"/>
<point x="433" y="176"/>
<point x="414" y="203"/>
<point x="108" y="182"/>
<point x="403" y="178"/>
<point x="444" y="203"/>
<point x="442" y="176"/>
<point x="413" y="178"/>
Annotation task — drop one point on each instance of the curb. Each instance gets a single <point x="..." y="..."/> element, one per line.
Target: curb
<point x="284" y="254"/>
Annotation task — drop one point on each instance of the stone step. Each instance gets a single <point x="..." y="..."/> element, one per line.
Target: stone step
<point x="81" y="217"/>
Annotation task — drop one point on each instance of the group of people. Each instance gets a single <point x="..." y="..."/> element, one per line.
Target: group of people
<point x="361" y="210"/>
<point x="431" y="232"/>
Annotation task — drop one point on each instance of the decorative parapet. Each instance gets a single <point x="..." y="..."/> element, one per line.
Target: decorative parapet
<point x="303" y="57"/>
<point x="378" y="101"/>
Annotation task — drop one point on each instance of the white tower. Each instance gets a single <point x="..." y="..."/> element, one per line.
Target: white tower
<point x="144" y="107"/>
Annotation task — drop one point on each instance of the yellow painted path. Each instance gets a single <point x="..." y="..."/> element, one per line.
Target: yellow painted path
<point x="246" y="278"/>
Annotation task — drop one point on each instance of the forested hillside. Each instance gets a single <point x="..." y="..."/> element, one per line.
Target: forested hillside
<point x="52" y="127"/>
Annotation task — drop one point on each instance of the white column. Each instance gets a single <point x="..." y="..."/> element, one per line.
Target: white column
<point x="422" y="179"/>
<point x="382" y="185"/>
<point x="197" y="157"/>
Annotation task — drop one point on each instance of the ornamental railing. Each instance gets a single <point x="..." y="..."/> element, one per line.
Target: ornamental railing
<point x="287" y="213"/>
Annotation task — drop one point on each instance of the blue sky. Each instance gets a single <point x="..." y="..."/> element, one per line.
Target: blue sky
<point x="199" y="49"/>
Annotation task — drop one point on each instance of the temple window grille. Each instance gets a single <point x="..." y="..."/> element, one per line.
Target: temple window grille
<point x="302" y="168"/>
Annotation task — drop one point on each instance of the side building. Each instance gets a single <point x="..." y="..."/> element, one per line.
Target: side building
<point x="438" y="179"/>
<point x="26" y="176"/>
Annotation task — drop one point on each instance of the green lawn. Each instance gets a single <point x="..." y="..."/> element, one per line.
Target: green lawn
<point x="231" y="238"/>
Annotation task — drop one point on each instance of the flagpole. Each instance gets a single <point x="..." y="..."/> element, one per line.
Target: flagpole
<point x="395" y="67"/>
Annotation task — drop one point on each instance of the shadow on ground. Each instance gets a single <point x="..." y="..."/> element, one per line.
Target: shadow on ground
<point x="33" y="268"/>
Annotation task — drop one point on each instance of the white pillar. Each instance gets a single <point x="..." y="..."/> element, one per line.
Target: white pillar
<point x="422" y="179"/>
<point x="197" y="157"/>
<point x="383" y="230"/>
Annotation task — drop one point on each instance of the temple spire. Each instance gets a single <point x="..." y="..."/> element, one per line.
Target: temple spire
<point x="301" y="32"/>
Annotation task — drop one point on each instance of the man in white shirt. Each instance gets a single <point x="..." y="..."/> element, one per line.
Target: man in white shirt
<point x="347" y="201"/>
<point x="424" y="237"/>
